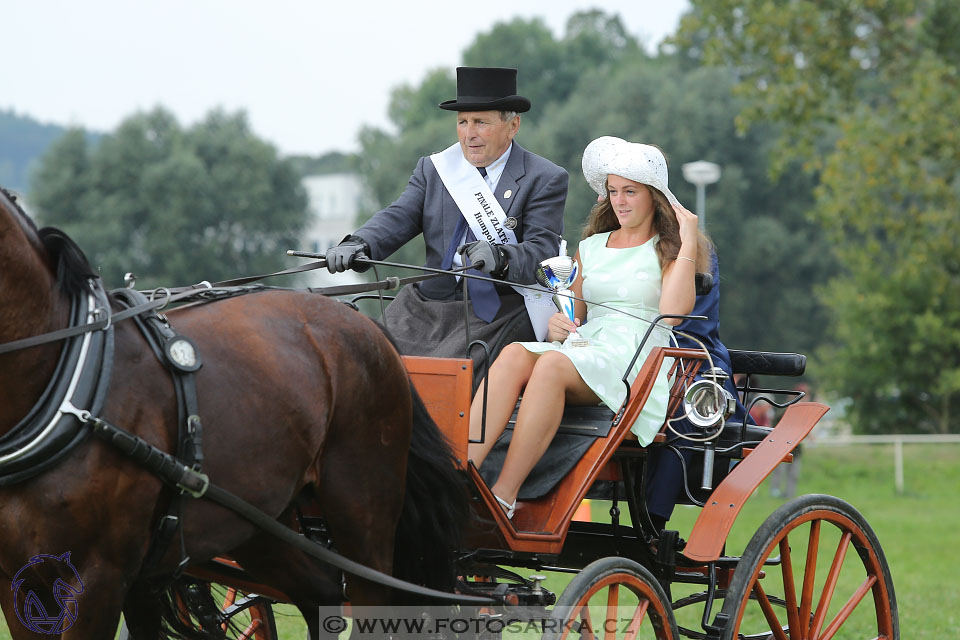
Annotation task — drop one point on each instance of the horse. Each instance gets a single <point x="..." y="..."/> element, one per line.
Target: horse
<point x="302" y="399"/>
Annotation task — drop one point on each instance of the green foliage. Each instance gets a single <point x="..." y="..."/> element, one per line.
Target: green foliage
<point x="549" y="69"/>
<point x="890" y="196"/>
<point x="801" y="62"/>
<point x="173" y="205"/>
<point x="866" y="94"/>
<point x="413" y="107"/>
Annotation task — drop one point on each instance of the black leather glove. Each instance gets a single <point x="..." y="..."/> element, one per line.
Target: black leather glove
<point x="494" y="258"/>
<point x="341" y="257"/>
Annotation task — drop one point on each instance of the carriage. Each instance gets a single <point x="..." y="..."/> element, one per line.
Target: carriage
<point x="813" y="569"/>
<point x="625" y="577"/>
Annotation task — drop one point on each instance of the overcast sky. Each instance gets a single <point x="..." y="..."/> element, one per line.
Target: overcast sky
<point x="308" y="73"/>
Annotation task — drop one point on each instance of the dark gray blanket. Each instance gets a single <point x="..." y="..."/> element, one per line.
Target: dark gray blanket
<point x="424" y="327"/>
<point x="561" y="456"/>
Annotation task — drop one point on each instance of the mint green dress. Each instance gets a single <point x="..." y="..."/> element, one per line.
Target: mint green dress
<point x="627" y="279"/>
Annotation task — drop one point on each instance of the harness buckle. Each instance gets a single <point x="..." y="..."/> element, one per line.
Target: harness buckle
<point x="81" y="414"/>
<point x="194" y="483"/>
<point x="101" y="312"/>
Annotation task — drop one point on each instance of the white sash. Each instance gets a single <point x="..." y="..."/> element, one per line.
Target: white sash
<point x="486" y="218"/>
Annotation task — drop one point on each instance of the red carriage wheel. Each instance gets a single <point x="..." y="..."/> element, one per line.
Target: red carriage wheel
<point x="813" y="570"/>
<point x="612" y="598"/>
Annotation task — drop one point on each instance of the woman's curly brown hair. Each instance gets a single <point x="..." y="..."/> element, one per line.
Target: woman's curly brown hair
<point x="602" y="218"/>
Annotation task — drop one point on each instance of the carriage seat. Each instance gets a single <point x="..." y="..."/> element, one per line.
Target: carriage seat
<point x="765" y="363"/>
<point x="579" y="427"/>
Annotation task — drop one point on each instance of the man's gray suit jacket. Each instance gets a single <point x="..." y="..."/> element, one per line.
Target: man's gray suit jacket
<point x="537" y="191"/>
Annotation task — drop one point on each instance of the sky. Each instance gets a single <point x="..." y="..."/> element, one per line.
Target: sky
<point x="309" y="74"/>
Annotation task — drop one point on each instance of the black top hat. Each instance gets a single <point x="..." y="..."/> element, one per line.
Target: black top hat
<point x="487" y="89"/>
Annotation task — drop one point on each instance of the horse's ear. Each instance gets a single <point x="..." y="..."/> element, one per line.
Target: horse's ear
<point x="15" y="585"/>
<point x="65" y="557"/>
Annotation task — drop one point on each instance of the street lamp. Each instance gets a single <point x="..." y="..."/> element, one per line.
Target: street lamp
<point x="701" y="173"/>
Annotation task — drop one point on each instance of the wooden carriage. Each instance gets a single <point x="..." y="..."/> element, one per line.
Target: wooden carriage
<point x="795" y="579"/>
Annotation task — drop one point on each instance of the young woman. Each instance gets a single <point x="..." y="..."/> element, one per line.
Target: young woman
<point x="639" y="254"/>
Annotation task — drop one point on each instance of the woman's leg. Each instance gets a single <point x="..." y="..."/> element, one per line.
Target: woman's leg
<point x="507" y="378"/>
<point x="553" y="383"/>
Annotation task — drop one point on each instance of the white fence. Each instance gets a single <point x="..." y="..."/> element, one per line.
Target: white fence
<point x="897" y="440"/>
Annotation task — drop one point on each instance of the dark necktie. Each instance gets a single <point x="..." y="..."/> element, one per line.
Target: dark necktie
<point x="483" y="295"/>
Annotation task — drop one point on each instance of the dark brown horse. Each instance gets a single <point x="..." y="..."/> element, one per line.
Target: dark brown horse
<point x="301" y="398"/>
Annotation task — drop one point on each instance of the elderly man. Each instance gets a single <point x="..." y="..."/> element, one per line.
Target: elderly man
<point x="490" y="198"/>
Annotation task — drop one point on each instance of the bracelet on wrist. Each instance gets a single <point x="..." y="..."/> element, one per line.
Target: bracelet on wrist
<point x="686" y="258"/>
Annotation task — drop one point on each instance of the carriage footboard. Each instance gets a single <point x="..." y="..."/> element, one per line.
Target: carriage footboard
<point x="710" y="531"/>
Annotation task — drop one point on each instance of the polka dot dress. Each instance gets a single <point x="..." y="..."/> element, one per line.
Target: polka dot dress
<point x="627" y="279"/>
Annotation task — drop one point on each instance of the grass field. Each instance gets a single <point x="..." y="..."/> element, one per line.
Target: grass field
<point x="918" y="530"/>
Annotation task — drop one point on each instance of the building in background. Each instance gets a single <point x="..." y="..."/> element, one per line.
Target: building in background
<point x="335" y="200"/>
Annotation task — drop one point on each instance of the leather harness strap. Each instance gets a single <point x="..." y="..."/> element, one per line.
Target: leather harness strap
<point x="175" y="473"/>
<point x="158" y="332"/>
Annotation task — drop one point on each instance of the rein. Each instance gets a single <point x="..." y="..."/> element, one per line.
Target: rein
<point x="176" y="295"/>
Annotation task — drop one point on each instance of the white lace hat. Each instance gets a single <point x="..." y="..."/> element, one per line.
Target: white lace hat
<point x="631" y="160"/>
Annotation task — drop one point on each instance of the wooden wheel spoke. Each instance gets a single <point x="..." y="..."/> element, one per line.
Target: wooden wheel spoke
<point x="790" y="590"/>
<point x="768" y="612"/>
<point x="586" y="623"/>
<point x="249" y="631"/>
<point x="613" y="602"/>
<point x="830" y="585"/>
<point x="848" y="608"/>
<point x="809" y="573"/>
<point x="637" y="619"/>
<point x="228" y="600"/>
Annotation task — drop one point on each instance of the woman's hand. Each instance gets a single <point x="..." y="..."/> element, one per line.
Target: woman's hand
<point x="559" y="327"/>
<point x="688" y="222"/>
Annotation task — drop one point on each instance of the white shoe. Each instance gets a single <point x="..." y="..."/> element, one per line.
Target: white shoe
<point x="509" y="508"/>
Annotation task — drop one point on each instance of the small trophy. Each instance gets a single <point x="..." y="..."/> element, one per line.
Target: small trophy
<point x="557" y="274"/>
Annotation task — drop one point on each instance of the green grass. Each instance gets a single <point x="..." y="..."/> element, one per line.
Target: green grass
<point x="918" y="530"/>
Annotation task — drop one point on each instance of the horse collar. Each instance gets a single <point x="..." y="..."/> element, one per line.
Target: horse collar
<point x="51" y="429"/>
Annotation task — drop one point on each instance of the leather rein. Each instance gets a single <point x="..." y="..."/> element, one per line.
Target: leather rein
<point x="197" y="290"/>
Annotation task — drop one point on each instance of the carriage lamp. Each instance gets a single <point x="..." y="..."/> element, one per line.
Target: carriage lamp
<point x="706" y="403"/>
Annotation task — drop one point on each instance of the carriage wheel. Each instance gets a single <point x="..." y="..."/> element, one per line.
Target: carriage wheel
<point x="797" y="578"/>
<point x="238" y="616"/>
<point x="612" y="598"/>
<point x="243" y="616"/>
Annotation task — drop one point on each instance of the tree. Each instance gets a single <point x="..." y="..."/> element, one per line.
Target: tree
<point x="173" y="205"/>
<point x="550" y="68"/>
<point x="867" y="97"/>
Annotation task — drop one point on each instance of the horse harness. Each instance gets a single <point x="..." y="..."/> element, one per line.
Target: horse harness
<point x="55" y="426"/>
<point x="50" y="430"/>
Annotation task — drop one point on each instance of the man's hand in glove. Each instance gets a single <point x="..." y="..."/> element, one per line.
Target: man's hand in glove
<point x="494" y="258"/>
<point x="341" y="257"/>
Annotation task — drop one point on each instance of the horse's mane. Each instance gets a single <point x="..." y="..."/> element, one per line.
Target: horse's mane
<point x="73" y="269"/>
